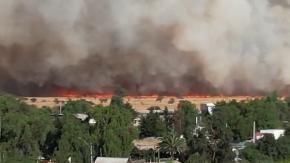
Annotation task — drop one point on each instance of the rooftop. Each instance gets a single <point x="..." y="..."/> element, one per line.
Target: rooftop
<point x="111" y="160"/>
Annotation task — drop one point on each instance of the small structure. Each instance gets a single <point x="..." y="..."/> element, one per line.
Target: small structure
<point x="277" y="133"/>
<point x="81" y="116"/>
<point x="137" y="121"/>
<point x="111" y="160"/>
<point x="147" y="143"/>
<point x="207" y="107"/>
<point x="158" y="111"/>
<point x="92" y="121"/>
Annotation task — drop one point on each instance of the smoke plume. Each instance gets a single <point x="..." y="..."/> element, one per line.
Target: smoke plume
<point x="224" y="46"/>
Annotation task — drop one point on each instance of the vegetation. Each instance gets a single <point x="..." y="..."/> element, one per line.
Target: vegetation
<point x="172" y="144"/>
<point x="152" y="125"/>
<point x="27" y="132"/>
<point x="231" y="122"/>
<point x="184" y="119"/>
<point x="269" y="149"/>
<point x="19" y="124"/>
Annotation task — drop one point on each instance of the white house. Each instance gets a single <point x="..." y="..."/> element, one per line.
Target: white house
<point x="277" y="133"/>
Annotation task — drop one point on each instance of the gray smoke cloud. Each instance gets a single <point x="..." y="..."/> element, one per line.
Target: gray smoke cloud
<point x="224" y="46"/>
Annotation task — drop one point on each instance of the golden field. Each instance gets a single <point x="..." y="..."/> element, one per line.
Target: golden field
<point x="139" y="103"/>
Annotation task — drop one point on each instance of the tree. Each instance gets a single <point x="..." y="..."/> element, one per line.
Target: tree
<point x="197" y="158"/>
<point x="117" y="100"/>
<point x="173" y="144"/>
<point x="19" y="124"/>
<point x="78" y="106"/>
<point x="213" y="144"/>
<point x="184" y="119"/>
<point x="111" y="136"/>
<point x="237" y="115"/>
<point x="72" y="143"/>
<point x="152" y="125"/>
<point x="253" y="155"/>
<point x="213" y="140"/>
<point x="268" y="149"/>
<point x="113" y="131"/>
<point x="283" y="147"/>
<point x="168" y="120"/>
<point x="268" y="146"/>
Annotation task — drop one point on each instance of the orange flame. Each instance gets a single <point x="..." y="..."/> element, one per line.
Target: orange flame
<point x="71" y="92"/>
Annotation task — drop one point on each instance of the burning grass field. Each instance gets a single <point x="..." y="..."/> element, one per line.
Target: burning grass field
<point x="139" y="103"/>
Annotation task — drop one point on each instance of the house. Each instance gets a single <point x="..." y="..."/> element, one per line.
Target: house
<point x="277" y="133"/>
<point x="207" y="107"/>
<point x="111" y="160"/>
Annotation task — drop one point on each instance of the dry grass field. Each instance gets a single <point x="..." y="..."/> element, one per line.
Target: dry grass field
<point x="139" y="103"/>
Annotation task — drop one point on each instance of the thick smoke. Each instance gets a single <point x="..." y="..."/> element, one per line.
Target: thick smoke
<point x="179" y="46"/>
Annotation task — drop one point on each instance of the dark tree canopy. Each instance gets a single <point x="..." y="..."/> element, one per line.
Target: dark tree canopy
<point x="152" y="125"/>
<point x="184" y="119"/>
<point x="28" y="132"/>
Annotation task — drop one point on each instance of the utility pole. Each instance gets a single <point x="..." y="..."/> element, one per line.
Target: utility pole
<point x="254" y="132"/>
<point x="60" y="110"/>
<point x="69" y="159"/>
<point x="158" y="155"/>
<point x="91" y="152"/>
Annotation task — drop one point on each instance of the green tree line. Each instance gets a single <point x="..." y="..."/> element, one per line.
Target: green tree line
<point x="28" y="132"/>
<point x="231" y="122"/>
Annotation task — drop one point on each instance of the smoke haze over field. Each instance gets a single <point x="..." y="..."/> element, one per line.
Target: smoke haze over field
<point x="225" y="46"/>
